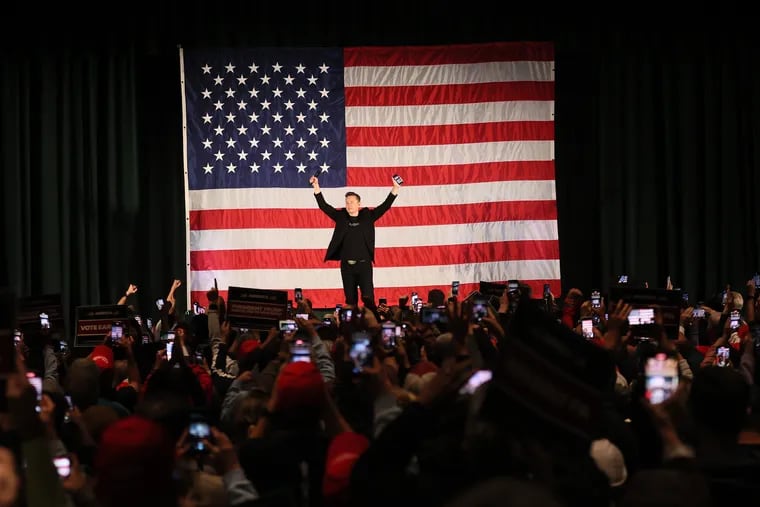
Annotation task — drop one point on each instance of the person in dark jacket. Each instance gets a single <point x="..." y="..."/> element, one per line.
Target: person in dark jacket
<point x="353" y="240"/>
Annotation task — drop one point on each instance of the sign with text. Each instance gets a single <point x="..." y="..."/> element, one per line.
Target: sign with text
<point x="32" y="307"/>
<point x="258" y="309"/>
<point x="93" y="323"/>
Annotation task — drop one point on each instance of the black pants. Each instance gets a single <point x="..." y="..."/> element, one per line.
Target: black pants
<point x="358" y="274"/>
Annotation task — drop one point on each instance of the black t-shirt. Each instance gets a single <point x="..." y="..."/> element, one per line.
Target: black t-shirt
<point x="354" y="247"/>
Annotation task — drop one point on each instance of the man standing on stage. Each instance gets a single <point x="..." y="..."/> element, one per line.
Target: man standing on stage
<point x="353" y="240"/>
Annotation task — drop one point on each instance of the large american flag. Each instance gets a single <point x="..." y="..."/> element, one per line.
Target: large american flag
<point x="470" y="128"/>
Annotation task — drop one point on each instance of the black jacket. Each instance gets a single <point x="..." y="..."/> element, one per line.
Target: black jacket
<point x="367" y="218"/>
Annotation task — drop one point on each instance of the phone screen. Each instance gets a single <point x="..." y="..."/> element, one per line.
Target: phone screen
<point x="479" y="310"/>
<point x="44" y="321"/>
<point x="388" y="336"/>
<point x="587" y="328"/>
<point x="623" y="279"/>
<point x="169" y="350"/>
<point x="116" y="332"/>
<point x="434" y="315"/>
<point x="288" y="325"/>
<point x="698" y="313"/>
<point x="198" y="431"/>
<point x="360" y="352"/>
<point x="661" y="378"/>
<point x="62" y="465"/>
<point x="735" y="319"/>
<point x="756" y="279"/>
<point x="299" y="294"/>
<point x="547" y="290"/>
<point x="398" y="179"/>
<point x="304" y="316"/>
<point x="455" y="288"/>
<point x="159" y="303"/>
<point x="300" y="351"/>
<point x="596" y="299"/>
<point x="641" y="316"/>
<point x="721" y="358"/>
<point x="37" y="383"/>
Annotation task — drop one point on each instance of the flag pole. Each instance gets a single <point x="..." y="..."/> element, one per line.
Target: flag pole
<point x="188" y="282"/>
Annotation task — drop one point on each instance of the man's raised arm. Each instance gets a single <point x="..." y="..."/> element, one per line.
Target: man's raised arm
<point x="326" y="208"/>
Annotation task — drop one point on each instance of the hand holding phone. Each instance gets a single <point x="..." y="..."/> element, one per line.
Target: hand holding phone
<point x="398" y="179"/>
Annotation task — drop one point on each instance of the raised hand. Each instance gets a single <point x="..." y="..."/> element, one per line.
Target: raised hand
<point x="131" y="289"/>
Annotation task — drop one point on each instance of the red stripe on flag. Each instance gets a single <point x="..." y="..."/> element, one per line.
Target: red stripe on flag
<point x="453" y="54"/>
<point x="450" y="134"/>
<point x="327" y="298"/>
<point x="460" y="174"/>
<point x="448" y="94"/>
<point x="397" y="216"/>
<point x="313" y="258"/>
<point x="203" y="260"/>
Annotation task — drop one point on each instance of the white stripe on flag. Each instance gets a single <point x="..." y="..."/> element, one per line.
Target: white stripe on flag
<point x="442" y="154"/>
<point x="387" y="237"/>
<point x="329" y="277"/>
<point x="449" y="114"/>
<point x="448" y="74"/>
<point x="427" y="195"/>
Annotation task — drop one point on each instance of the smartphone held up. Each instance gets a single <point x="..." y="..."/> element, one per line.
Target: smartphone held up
<point x="661" y="378"/>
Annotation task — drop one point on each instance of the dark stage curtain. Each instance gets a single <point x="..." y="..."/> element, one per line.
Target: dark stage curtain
<point x="656" y="146"/>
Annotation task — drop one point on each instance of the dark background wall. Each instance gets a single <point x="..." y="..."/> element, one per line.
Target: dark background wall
<point x="656" y="135"/>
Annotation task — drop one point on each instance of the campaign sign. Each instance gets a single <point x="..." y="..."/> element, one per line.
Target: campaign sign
<point x="259" y="309"/>
<point x="93" y="323"/>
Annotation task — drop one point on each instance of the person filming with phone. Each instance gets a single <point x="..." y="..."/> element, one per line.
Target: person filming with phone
<point x="353" y="239"/>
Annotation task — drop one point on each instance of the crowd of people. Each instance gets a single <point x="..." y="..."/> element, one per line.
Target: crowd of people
<point x="500" y="400"/>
